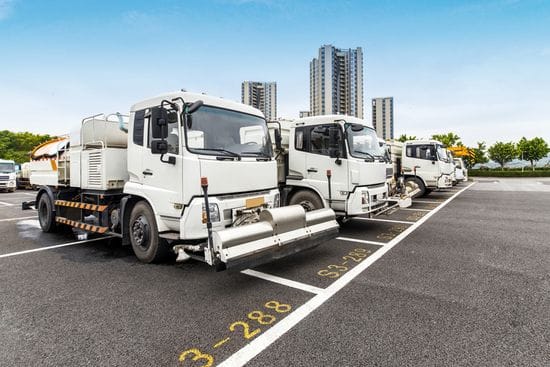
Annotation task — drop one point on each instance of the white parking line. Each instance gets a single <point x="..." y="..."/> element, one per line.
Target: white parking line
<point x="6" y="204"/>
<point x="384" y="220"/>
<point x="263" y="341"/>
<point x="283" y="281"/>
<point x="361" y="241"/>
<point x="18" y="218"/>
<point x="54" y="246"/>
<point x="429" y="201"/>
<point x="416" y="210"/>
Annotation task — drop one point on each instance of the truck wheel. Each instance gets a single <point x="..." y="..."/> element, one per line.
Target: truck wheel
<point x="307" y="199"/>
<point x="46" y="216"/>
<point x="144" y="236"/>
<point x="420" y="184"/>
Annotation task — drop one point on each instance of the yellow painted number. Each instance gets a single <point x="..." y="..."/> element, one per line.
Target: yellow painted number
<point x="278" y="307"/>
<point x="261" y="317"/>
<point x="246" y="329"/>
<point x="348" y="257"/>
<point x="338" y="267"/>
<point x="197" y="356"/>
<point x="328" y="274"/>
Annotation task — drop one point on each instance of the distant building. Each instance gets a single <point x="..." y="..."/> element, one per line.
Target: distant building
<point x="305" y="114"/>
<point x="262" y="95"/>
<point x="382" y="117"/>
<point x="336" y="82"/>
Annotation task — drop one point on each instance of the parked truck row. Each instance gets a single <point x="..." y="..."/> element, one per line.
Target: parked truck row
<point x="210" y="179"/>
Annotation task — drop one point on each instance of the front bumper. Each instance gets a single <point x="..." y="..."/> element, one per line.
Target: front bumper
<point x="444" y="182"/>
<point x="367" y="200"/>
<point x="7" y="184"/>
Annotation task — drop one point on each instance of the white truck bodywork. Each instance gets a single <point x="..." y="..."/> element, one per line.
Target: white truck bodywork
<point x="8" y="176"/>
<point x="358" y="181"/>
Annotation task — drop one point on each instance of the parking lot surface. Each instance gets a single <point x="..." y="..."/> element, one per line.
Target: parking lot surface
<point x="460" y="277"/>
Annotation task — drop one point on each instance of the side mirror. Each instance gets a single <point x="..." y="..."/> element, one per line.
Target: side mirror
<point x="159" y="123"/>
<point x="278" y="139"/>
<point x="194" y="106"/>
<point x="159" y="146"/>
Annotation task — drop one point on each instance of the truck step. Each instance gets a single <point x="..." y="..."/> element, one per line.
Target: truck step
<point x="85" y="206"/>
<point x="80" y="225"/>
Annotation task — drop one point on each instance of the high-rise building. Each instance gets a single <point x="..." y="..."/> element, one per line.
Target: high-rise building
<point x="305" y="114"/>
<point x="262" y="95"/>
<point x="336" y="82"/>
<point x="382" y="117"/>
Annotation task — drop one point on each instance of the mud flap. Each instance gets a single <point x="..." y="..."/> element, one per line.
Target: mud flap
<point x="279" y="233"/>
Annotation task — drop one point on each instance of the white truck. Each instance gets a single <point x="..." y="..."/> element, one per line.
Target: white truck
<point x="331" y="161"/>
<point x="461" y="170"/>
<point x="8" y="180"/>
<point x="185" y="172"/>
<point x="424" y="163"/>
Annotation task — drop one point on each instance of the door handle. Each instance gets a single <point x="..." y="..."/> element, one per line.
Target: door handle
<point x="311" y="169"/>
<point x="148" y="172"/>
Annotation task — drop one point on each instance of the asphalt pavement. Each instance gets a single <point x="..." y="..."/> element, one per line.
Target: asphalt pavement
<point x="461" y="282"/>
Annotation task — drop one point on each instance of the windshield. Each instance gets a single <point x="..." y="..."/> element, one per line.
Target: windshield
<point x="363" y="142"/>
<point x="7" y="167"/>
<point x="442" y="153"/>
<point x="217" y="131"/>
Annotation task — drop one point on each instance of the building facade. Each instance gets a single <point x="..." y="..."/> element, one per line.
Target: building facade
<point x="382" y="117"/>
<point x="336" y="82"/>
<point x="261" y="95"/>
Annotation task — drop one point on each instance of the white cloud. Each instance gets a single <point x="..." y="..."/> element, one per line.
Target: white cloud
<point x="6" y="8"/>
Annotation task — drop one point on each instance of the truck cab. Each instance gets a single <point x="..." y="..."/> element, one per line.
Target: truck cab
<point x="426" y="163"/>
<point x="8" y="175"/>
<point x="333" y="161"/>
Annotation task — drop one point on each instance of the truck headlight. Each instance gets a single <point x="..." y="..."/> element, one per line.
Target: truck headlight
<point x="277" y="200"/>
<point x="214" y="213"/>
<point x="364" y="197"/>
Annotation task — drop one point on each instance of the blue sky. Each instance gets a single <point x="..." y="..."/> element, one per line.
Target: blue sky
<point x="480" y="69"/>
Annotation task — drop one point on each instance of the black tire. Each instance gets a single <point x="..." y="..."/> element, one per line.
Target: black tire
<point x="420" y="184"/>
<point x="46" y="215"/>
<point x="428" y="191"/>
<point x="144" y="236"/>
<point x="307" y="199"/>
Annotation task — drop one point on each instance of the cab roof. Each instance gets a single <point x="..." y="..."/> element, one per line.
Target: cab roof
<point x="193" y="97"/>
<point x="326" y="119"/>
<point x="423" y="141"/>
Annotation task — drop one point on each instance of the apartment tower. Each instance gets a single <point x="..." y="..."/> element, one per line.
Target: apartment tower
<point x="336" y="82"/>
<point x="382" y="117"/>
<point x="262" y="95"/>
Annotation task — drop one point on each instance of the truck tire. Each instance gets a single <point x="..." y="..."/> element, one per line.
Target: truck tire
<point x="146" y="243"/>
<point x="420" y="184"/>
<point x="46" y="215"/>
<point x="307" y="199"/>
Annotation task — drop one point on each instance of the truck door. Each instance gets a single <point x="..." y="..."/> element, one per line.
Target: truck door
<point x="161" y="177"/>
<point x="325" y="146"/>
<point x="424" y="157"/>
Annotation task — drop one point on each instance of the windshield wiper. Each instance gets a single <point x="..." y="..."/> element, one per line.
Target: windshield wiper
<point x="366" y="153"/>
<point x="227" y="152"/>
<point x="261" y="154"/>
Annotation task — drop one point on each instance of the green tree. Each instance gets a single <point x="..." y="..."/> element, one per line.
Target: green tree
<point x="503" y="153"/>
<point x="532" y="150"/>
<point x="450" y="139"/>
<point x="480" y="155"/>
<point x="17" y="146"/>
<point x="403" y="138"/>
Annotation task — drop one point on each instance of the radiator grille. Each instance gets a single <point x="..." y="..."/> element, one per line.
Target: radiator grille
<point x="4" y="178"/>
<point x="94" y="169"/>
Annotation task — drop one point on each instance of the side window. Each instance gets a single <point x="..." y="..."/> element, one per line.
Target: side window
<point x="319" y="140"/>
<point x="420" y="152"/>
<point x="138" y="127"/>
<point x="299" y="139"/>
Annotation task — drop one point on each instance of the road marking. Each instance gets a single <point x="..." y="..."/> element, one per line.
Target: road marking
<point x="221" y="342"/>
<point x="257" y="345"/>
<point x="283" y="281"/>
<point x="384" y="220"/>
<point x="18" y="218"/>
<point x="361" y="241"/>
<point x="429" y="201"/>
<point x="6" y="204"/>
<point x="416" y="210"/>
<point x="54" y="246"/>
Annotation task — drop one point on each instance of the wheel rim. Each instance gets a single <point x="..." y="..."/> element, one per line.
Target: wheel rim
<point x="307" y="205"/>
<point x="140" y="232"/>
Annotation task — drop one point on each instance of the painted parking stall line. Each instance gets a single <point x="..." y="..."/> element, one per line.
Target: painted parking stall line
<point x="361" y="241"/>
<point x="259" y="344"/>
<point x="18" y="218"/>
<point x="416" y="210"/>
<point x="55" y="246"/>
<point x="283" y="281"/>
<point x="384" y="220"/>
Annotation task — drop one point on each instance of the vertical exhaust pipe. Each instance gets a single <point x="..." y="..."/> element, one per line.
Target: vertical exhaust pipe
<point x="329" y="176"/>
<point x="204" y="185"/>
